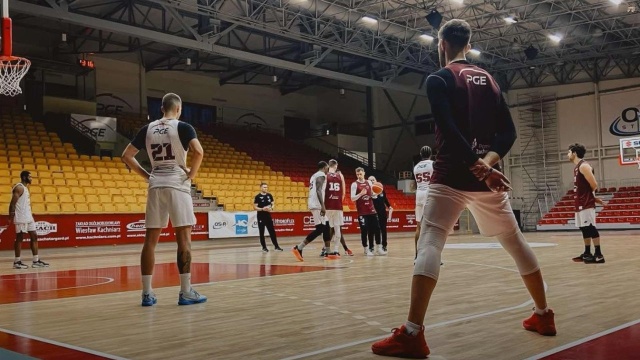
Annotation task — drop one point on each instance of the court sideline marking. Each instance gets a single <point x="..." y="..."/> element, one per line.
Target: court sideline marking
<point x="433" y="326"/>
<point x="583" y="340"/>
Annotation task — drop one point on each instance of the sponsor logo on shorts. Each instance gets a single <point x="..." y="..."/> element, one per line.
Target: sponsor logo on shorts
<point x="136" y="226"/>
<point x="242" y="224"/>
<point x="45" y="228"/>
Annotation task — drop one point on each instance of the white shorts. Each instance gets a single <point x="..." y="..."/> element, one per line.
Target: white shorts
<point x="492" y="211"/>
<point x="586" y="217"/>
<point x="317" y="218"/>
<point x="335" y="218"/>
<point x="169" y="203"/>
<point x="421" y="199"/>
<point x="25" y="227"/>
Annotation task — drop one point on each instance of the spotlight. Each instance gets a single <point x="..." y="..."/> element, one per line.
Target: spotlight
<point x="511" y="20"/>
<point x="64" y="37"/>
<point x="426" y="37"/>
<point x="188" y="61"/>
<point x="531" y="52"/>
<point x="555" y="38"/>
<point x="341" y="91"/>
<point x="474" y="52"/>
<point x="275" y="78"/>
<point x="434" y="19"/>
<point x="369" y="20"/>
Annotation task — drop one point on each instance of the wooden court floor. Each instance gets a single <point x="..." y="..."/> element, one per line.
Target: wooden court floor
<point x="269" y="306"/>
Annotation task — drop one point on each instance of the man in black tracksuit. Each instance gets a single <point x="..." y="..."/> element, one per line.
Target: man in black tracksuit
<point x="263" y="204"/>
<point x="381" y="203"/>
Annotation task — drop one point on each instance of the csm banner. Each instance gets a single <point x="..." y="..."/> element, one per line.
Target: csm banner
<point x="224" y="224"/>
<point x="99" y="127"/>
<point x="620" y="113"/>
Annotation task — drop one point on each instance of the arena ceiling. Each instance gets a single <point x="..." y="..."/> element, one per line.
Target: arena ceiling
<point x="299" y="43"/>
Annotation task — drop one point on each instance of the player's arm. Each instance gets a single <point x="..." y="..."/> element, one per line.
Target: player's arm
<point x="505" y="136"/>
<point x="438" y="87"/>
<point x="354" y="192"/>
<point x="189" y="139"/>
<point x="255" y="204"/>
<point x="272" y="201"/>
<point x="386" y="200"/>
<point x="129" y="158"/>
<point x="344" y="187"/>
<point x="587" y="171"/>
<point x="319" y="183"/>
<point x="130" y="152"/>
<point x="15" y="195"/>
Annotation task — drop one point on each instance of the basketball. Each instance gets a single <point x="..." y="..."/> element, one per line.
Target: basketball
<point x="377" y="188"/>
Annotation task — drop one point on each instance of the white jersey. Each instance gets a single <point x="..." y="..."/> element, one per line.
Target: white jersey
<point x="168" y="156"/>
<point x="23" y="206"/>
<point x="314" y="202"/>
<point x="423" y="172"/>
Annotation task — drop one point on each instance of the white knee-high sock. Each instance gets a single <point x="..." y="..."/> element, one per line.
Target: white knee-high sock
<point x="336" y="238"/>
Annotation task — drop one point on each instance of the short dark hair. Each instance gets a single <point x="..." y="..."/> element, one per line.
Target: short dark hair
<point x="425" y="152"/>
<point x="263" y="184"/>
<point x="322" y="165"/>
<point x="579" y="149"/>
<point x="456" y="33"/>
<point x="333" y="162"/>
<point x="170" y="102"/>
<point x="359" y="169"/>
<point x="24" y="174"/>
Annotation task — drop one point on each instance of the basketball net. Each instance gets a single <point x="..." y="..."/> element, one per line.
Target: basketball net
<point x="12" y="68"/>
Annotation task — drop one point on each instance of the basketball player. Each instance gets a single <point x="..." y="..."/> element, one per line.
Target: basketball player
<point x="474" y="130"/>
<point x="167" y="141"/>
<point x="381" y="203"/>
<point x="333" y="197"/>
<point x="263" y="204"/>
<point x="361" y="194"/>
<point x="422" y="172"/>
<point x="20" y="214"/>
<point x="317" y="187"/>
<point x="584" y="187"/>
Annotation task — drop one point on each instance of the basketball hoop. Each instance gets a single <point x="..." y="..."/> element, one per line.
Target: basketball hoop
<point x="12" y="68"/>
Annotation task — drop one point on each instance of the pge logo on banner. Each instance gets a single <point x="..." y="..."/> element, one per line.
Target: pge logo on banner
<point x="242" y="224"/>
<point x="136" y="226"/>
<point x="45" y="228"/>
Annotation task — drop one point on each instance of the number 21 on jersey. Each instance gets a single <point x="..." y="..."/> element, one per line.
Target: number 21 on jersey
<point x="161" y="152"/>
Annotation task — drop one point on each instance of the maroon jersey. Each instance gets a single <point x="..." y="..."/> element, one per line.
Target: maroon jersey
<point x="472" y="119"/>
<point x="582" y="190"/>
<point x="365" y="203"/>
<point x="333" y="192"/>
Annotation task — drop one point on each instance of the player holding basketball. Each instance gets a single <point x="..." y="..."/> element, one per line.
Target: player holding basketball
<point x="317" y="188"/>
<point x="167" y="141"/>
<point x="361" y="194"/>
<point x="474" y="130"/>
<point x="584" y="187"/>
<point x="20" y="214"/>
<point x="422" y="172"/>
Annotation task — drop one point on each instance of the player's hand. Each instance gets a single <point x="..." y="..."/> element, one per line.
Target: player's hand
<point x="363" y="192"/>
<point x="323" y="211"/>
<point x="11" y="219"/>
<point x="480" y="169"/>
<point x="497" y="182"/>
<point x="599" y="201"/>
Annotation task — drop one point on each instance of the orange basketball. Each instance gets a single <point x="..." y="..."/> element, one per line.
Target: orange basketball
<point x="377" y="188"/>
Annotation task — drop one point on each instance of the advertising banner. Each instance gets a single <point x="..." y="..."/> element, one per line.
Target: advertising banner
<point x="100" y="128"/>
<point x="93" y="229"/>
<point x="224" y="224"/>
<point x="620" y="114"/>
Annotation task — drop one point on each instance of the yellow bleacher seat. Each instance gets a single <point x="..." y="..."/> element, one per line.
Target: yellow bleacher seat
<point x="82" y="208"/>
<point x="44" y="181"/>
<point x="66" y="199"/>
<point x="94" y="176"/>
<point x="96" y="208"/>
<point x="97" y="183"/>
<point x="102" y="191"/>
<point x="105" y="198"/>
<point x="118" y="199"/>
<point x="78" y="198"/>
<point x="38" y="208"/>
<point x="88" y="163"/>
<point x="109" y="208"/>
<point x="73" y="157"/>
<point x="90" y="169"/>
<point x="75" y="189"/>
<point x="66" y="162"/>
<point x="106" y="177"/>
<point x="53" y="208"/>
<point x="50" y="198"/>
<point x="121" y="207"/>
<point x="59" y="182"/>
<point x="126" y="192"/>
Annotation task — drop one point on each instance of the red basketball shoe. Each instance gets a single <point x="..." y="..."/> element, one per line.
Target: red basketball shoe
<point x="543" y="324"/>
<point x="402" y="345"/>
